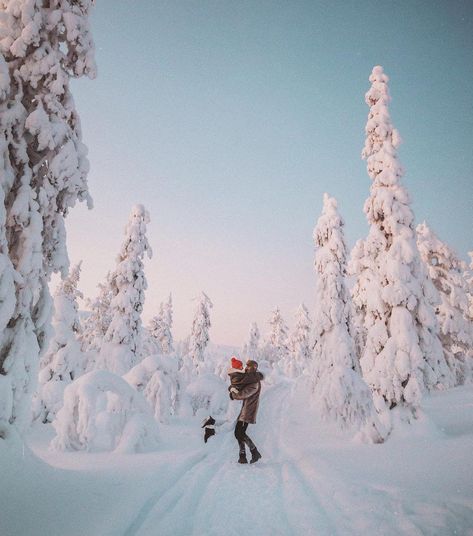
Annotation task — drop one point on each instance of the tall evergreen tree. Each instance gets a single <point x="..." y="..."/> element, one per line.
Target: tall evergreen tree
<point x="300" y="338"/>
<point x="277" y="344"/>
<point x="96" y="324"/>
<point x="122" y="347"/>
<point x="340" y="393"/>
<point x="43" y="169"/>
<point x="402" y="352"/>
<point x="160" y="328"/>
<point x="452" y="310"/>
<point x="168" y="340"/>
<point x="199" y="338"/>
<point x="252" y="347"/>
<point x="469" y="282"/>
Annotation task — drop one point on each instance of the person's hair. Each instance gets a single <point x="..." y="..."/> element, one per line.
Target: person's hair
<point x="252" y="364"/>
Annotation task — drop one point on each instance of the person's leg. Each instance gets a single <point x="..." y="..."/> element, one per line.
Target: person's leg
<point x="240" y="434"/>
<point x="246" y="438"/>
<point x="255" y="455"/>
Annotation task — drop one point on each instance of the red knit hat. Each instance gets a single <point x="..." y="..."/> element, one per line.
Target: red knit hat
<point x="236" y="363"/>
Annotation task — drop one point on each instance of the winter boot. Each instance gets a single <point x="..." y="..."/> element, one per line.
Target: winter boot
<point x="209" y="432"/>
<point x="242" y="458"/>
<point x="255" y="455"/>
<point x="208" y="421"/>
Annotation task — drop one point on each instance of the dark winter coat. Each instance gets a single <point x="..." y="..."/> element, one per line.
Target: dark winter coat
<point x="250" y="396"/>
<point x="240" y="378"/>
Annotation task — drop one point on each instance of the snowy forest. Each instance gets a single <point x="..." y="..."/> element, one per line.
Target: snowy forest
<point x="389" y="336"/>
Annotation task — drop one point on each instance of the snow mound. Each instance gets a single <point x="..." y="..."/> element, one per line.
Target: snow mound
<point x="208" y="392"/>
<point x="156" y="378"/>
<point x="102" y="412"/>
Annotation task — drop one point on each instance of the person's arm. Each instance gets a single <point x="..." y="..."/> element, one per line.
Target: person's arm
<point x="246" y="379"/>
<point x="246" y="392"/>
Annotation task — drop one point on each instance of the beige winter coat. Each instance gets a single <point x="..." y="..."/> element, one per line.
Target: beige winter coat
<point x="250" y="396"/>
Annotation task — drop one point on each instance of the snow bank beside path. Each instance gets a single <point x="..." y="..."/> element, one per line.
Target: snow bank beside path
<point x="102" y="411"/>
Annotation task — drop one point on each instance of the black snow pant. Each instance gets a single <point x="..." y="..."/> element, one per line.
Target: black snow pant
<point x="242" y="438"/>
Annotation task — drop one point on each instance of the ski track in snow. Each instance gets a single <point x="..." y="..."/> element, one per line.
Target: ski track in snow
<point x="212" y="498"/>
<point x="151" y="503"/>
<point x="219" y="496"/>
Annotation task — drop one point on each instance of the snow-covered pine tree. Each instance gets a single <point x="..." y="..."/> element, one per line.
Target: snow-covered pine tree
<point x="277" y="343"/>
<point x="168" y="342"/>
<point x="97" y="322"/>
<point x="402" y="352"/>
<point x="155" y="330"/>
<point x="468" y="274"/>
<point x="199" y="338"/>
<point x="44" y="170"/>
<point x="469" y="282"/>
<point x="300" y="345"/>
<point x="340" y="393"/>
<point x="160" y="328"/>
<point x="64" y="361"/>
<point x="446" y="271"/>
<point x="13" y="367"/>
<point x="252" y="347"/>
<point x="121" y="349"/>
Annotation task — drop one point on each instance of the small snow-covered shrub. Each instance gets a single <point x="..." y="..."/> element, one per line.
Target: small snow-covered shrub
<point x="207" y="392"/>
<point x="156" y="378"/>
<point x="116" y="358"/>
<point x="102" y="411"/>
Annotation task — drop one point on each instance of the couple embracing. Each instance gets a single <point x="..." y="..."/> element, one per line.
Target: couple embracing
<point x="246" y="386"/>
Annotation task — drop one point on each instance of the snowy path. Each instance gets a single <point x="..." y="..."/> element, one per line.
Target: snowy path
<point x="213" y="496"/>
<point x="297" y="489"/>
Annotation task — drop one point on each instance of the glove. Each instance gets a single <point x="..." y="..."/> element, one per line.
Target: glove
<point x="230" y="395"/>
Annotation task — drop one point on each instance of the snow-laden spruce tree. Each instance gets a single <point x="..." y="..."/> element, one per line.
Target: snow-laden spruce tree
<point x="168" y="342"/>
<point x="64" y="361"/>
<point x="446" y="271"/>
<point x="469" y="281"/>
<point x="300" y="343"/>
<point x="97" y="322"/>
<point x="43" y="169"/>
<point x="340" y="393"/>
<point x="121" y="349"/>
<point x="159" y="328"/>
<point x="468" y="275"/>
<point x="277" y="343"/>
<point x="199" y="338"/>
<point x="13" y="367"/>
<point x="251" y="349"/>
<point x="402" y="351"/>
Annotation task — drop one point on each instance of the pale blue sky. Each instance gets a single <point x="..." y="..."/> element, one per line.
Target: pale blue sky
<point x="229" y="120"/>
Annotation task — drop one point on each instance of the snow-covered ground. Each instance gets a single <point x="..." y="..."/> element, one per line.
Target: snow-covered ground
<point x="311" y="480"/>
